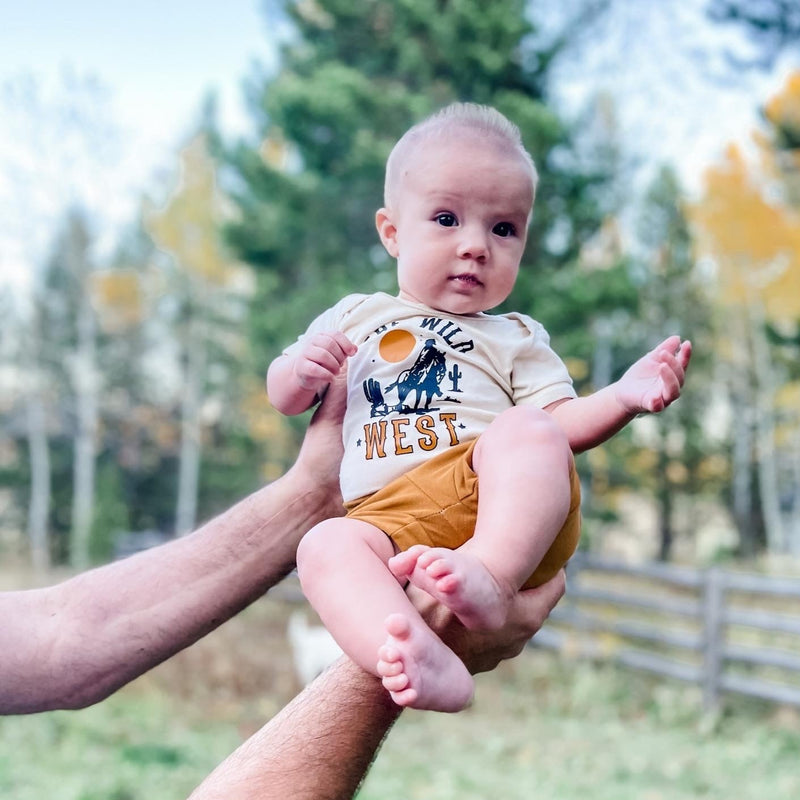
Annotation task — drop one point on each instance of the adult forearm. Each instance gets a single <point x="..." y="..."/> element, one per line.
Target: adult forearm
<point x="319" y="747"/>
<point x="73" y="644"/>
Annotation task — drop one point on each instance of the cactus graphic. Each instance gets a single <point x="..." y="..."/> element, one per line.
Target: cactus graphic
<point x="455" y="374"/>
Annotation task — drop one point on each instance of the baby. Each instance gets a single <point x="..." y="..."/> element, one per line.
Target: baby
<point x="444" y="399"/>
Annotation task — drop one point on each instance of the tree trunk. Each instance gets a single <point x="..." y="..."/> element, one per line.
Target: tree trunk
<point x="766" y="386"/>
<point x="665" y="502"/>
<point x="189" y="466"/>
<point x="742" y="483"/>
<point x="39" y="501"/>
<point x="794" y="532"/>
<point x="85" y="382"/>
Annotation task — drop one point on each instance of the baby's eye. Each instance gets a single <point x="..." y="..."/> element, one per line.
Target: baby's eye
<point x="504" y="229"/>
<point x="446" y="219"/>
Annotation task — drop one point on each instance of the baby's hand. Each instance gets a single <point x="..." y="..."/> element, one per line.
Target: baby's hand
<point x="321" y="359"/>
<point x="655" y="380"/>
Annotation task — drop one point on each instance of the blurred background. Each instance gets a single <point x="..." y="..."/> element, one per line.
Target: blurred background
<point x="184" y="188"/>
<point x="185" y="185"/>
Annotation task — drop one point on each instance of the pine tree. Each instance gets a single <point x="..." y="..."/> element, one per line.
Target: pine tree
<point x="674" y="300"/>
<point x="352" y="81"/>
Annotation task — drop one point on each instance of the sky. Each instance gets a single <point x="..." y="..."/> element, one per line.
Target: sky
<point x="157" y="57"/>
<point x="677" y="97"/>
<point x="155" y="61"/>
<point x="152" y="62"/>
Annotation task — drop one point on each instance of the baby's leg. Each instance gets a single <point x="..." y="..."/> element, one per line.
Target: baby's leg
<point x="342" y="568"/>
<point x="407" y="661"/>
<point x="456" y="578"/>
<point x="522" y="462"/>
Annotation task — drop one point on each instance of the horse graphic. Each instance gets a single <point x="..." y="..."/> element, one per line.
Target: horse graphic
<point x="423" y="378"/>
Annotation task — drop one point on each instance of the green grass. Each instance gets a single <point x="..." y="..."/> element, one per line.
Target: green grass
<point x="549" y="729"/>
<point x="127" y="748"/>
<point x="541" y="727"/>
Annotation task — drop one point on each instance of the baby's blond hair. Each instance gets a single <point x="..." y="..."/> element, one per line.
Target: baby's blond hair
<point x="465" y="119"/>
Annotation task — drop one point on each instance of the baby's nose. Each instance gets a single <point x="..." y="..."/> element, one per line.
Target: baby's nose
<point x="472" y="244"/>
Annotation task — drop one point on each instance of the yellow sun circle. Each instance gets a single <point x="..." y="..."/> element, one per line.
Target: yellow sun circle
<point x="396" y="345"/>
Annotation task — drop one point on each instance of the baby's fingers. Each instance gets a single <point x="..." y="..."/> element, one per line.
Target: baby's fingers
<point x="312" y="373"/>
<point x="334" y="343"/>
<point x="670" y="381"/>
<point x="670" y="345"/>
<point x="675" y="360"/>
<point x="684" y="354"/>
<point x="346" y="346"/>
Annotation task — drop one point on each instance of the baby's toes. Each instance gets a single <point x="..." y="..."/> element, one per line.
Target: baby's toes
<point x="406" y="697"/>
<point x="430" y="555"/>
<point x="439" y="568"/>
<point x="448" y="584"/>
<point x="395" y="683"/>
<point x="388" y="669"/>
<point x="388" y="652"/>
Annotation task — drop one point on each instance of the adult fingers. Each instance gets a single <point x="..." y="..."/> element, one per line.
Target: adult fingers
<point x="334" y="403"/>
<point x="532" y="607"/>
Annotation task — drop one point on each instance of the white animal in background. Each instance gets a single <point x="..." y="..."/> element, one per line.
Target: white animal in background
<point x="313" y="648"/>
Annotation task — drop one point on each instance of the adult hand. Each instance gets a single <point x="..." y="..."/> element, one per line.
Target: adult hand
<point x="328" y="735"/>
<point x="321" y="454"/>
<point x="482" y="651"/>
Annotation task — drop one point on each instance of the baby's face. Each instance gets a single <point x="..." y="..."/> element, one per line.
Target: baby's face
<point x="459" y="224"/>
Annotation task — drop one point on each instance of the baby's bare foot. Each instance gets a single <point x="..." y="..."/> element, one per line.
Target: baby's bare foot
<point x="403" y="564"/>
<point x="460" y="581"/>
<point x="419" y="670"/>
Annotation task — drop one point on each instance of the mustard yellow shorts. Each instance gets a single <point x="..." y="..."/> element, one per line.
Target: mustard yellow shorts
<point x="437" y="504"/>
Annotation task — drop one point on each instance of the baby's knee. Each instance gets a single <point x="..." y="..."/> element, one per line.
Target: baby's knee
<point x="526" y="426"/>
<point x="314" y="549"/>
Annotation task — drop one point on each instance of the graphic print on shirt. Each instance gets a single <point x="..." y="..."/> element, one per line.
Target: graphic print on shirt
<point x="413" y="406"/>
<point x="420" y="383"/>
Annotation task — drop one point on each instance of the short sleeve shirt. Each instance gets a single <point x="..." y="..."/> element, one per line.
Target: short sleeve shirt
<point x="424" y="380"/>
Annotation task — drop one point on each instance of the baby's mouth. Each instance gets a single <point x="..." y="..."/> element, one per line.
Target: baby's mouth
<point x="466" y="279"/>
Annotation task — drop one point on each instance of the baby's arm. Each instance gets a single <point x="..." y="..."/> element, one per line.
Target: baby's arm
<point x="295" y="382"/>
<point x="649" y="385"/>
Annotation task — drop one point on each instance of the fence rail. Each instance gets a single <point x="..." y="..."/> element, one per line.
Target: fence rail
<point x="725" y="631"/>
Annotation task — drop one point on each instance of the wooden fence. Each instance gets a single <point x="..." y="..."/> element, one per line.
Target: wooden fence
<point x="725" y="631"/>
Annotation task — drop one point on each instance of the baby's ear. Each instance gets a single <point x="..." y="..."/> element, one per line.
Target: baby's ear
<point x="387" y="231"/>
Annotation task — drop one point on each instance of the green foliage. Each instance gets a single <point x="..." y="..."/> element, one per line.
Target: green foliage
<point x="674" y="300"/>
<point x="231" y="469"/>
<point x="111" y="511"/>
<point x="470" y="46"/>
<point x="60" y="518"/>
<point x="15" y="480"/>
<point x="352" y="80"/>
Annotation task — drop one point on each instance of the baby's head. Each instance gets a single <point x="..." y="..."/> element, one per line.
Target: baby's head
<point x="458" y="123"/>
<point x="459" y="193"/>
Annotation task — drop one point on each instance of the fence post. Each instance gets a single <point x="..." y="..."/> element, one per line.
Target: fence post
<point x="713" y="636"/>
